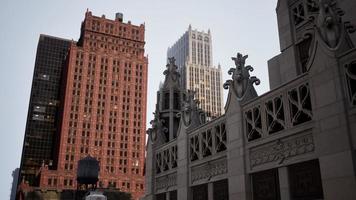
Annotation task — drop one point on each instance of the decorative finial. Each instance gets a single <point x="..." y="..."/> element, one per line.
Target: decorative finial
<point x="171" y="70"/>
<point x="191" y="114"/>
<point x="241" y="81"/>
<point x="172" y="60"/>
<point x="158" y="129"/>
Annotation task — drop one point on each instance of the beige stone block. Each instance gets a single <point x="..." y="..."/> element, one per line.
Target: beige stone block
<point x="330" y="122"/>
<point x="183" y="193"/>
<point x="340" y="188"/>
<point x="236" y="166"/>
<point x="325" y="94"/>
<point x="234" y="131"/>
<point x="336" y="166"/>
<point x="238" y="184"/>
<point x="326" y="141"/>
<point x="329" y="110"/>
<point x="274" y="72"/>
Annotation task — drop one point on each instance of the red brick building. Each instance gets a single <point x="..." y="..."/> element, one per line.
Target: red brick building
<point x="103" y="107"/>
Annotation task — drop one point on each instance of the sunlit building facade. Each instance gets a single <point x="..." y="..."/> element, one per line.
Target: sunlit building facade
<point x="194" y="58"/>
<point x="102" y="108"/>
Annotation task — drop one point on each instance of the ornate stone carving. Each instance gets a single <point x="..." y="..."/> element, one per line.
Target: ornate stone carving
<point x="171" y="71"/>
<point x="241" y="83"/>
<point x="209" y="170"/>
<point x="328" y="24"/>
<point x="158" y="130"/>
<point x="164" y="182"/>
<point x="280" y="150"/>
<point x="312" y="5"/>
<point x="191" y="114"/>
<point x="298" y="14"/>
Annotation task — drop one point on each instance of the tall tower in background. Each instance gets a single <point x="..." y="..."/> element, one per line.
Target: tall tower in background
<point x="193" y="54"/>
<point x="102" y="110"/>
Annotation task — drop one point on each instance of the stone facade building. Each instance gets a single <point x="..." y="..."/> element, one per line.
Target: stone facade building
<point x="194" y="58"/>
<point x="98" y="108"/>
<point x="296" y="141"/>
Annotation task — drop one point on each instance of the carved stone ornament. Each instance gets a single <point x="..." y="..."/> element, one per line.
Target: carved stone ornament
<point x="167" y="181"/>
<point x="157" y="130"/>
<point x="280" y="150"/>
<point x="209" y="170"/>
<point x="171" y="71"/>
<point x="190" y="112"/>
<point x="241" y="81"/>
<point x="187" y="108"/>
<point x="328" y="24"/>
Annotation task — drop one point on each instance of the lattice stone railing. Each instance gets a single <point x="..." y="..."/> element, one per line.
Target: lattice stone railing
<point x="209" y="140"/>
<point x="278" y="110"/>
<point x="350" y="75"/>
<point x="166" y="158"/>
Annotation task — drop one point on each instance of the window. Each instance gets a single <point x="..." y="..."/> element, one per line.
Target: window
<point x="265" y="185"/>
<point x="305" y="180"/>
<point x="166" y="101"/>
<point x="303" y="49"/>
<point x="40" y="109"/>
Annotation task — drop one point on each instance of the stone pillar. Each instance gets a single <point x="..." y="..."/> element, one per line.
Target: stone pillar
<point x="183" y="169"/>
<point x="150" y="171"/>
<point x="210" y="191"/>
<point x="238" y="179"/>
<point x="284" y="183"/>
<point x="332" y="134"/>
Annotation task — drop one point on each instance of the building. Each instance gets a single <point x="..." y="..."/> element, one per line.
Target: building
<point x="296" y="141"/>
<point x="15" y="177"/>
<point x="44" y="108"/>
<point x="194" y="58"/>
<point x="109" y="193"/>
<point x="102" y="108"/>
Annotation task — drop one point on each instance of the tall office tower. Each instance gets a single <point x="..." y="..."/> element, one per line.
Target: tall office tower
<point x="193" y="54"/>
<point x="44" y="108"/>
<point x="103" y="107"/>
<point x="15" y="177"/>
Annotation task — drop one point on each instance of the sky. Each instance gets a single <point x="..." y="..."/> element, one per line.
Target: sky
<point x="246" y="26"/>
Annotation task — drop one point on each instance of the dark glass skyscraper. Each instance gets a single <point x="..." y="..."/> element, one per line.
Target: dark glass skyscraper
<point x="43" y="112"/>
